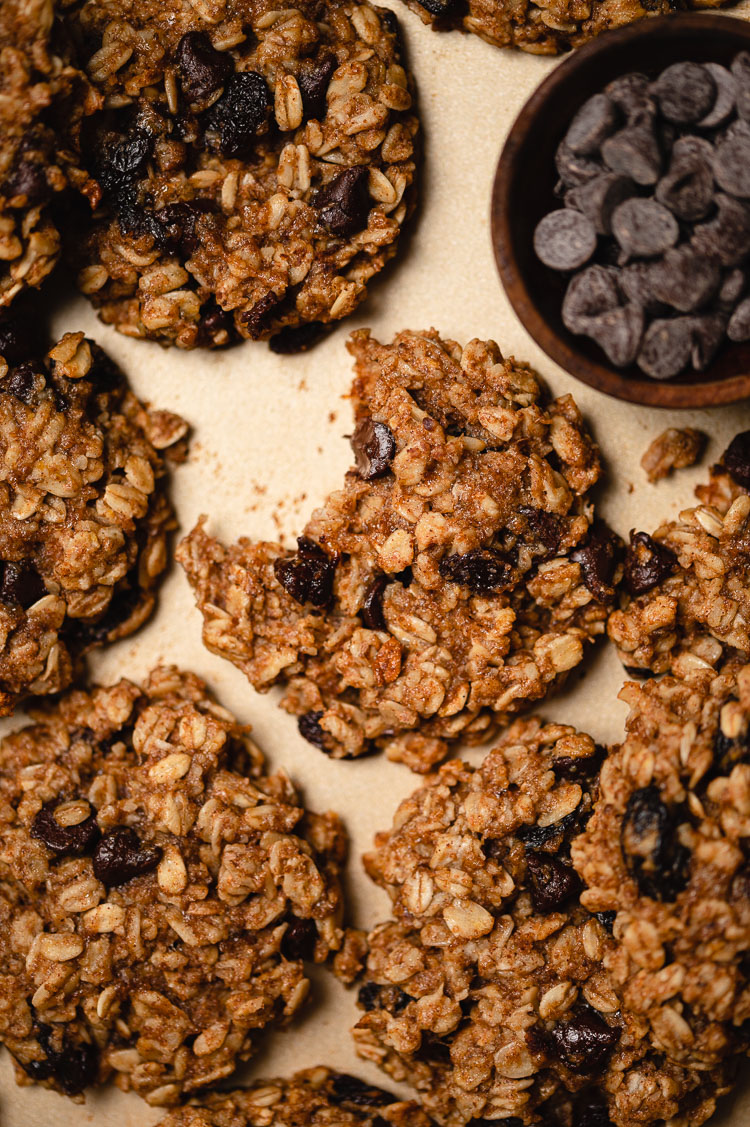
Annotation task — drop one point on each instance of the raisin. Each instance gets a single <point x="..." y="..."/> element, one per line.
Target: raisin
<point x="541" y="837"/>
<point x="203" y="69"/>
<point x="73" y="841"/>
<point x="736" y="459"/>
<point x="390" y="998"/>
<point x="28" y="179"/>
<point x="440" y="9"/>
<point x="307" y="576"/>
<point x="239" y="113"/>
<point x="598" y="559"/>
<point x="178" y="222"/>
<point x="493" y="848"/>
<point x="545" y="526"/>
<point x="21" y="585"/>
<point x="607" y="920"/>
<point x="120" y="162"/>
<point x="655" y="859"/>
<point x="553" y="882"/>
<point x="482" y="569"/>
<point x="346" y="1089"/>
<point x="584" y="1043"/>
<point x="297" y="338"/>
<point x="120" y="856"/>
<point x="256" y="319"/>
<point x="73" y="1067"/>
<point x="216" y="327"/>
<point x="374" y="448"/>
<point x="368" y="996"/>
<point x="299" y="939"/>
<point x="344" y="203"/>
<point x="313" y="83"/>
<point x="647" y="563"/>
<point x="22" y="383"/>
<point x="579" y="769"/>
<point x="309" y="728"/>
<point x="372" y="608"/>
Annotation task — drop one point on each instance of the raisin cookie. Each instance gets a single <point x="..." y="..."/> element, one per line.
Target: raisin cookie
<point x="544" y="27"/>
<point x="39" y="89"/>
<point x="158" y="891"/>
<point x="456" y="576"/>
<point x="256" y="164"/>
<point x="84" y="516"/>
<point x="493" y="990"/>
<point x="317" y="1097"/>
<point x="687" y="586"/>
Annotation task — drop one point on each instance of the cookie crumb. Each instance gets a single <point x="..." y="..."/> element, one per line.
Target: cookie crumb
<point x="673" y="449"/>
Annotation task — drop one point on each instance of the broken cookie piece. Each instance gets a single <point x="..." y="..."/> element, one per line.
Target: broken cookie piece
<point x="457" y="576"/>
<point x="673" y="449"/>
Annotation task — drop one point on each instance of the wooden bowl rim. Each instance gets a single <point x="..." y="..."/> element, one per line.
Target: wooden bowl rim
<point x="704" y="393"/>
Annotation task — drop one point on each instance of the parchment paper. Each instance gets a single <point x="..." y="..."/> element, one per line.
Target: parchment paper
<point x="268" y="444"/>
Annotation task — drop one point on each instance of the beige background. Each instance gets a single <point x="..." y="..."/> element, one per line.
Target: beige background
<point x="268" y="444"/>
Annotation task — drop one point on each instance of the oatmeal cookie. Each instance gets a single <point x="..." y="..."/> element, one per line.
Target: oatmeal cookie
<point x="493" y="990"/>
<point x="317" y="1097"/>
<point x="256" y="164"/>
<point x="687" y="586"/>
<point x="84" y="516"/>
<point x="673" y="449"/>
<point x="39" y="89"/>
<point x="456" y="576"/>
<point x="545" y="27"/>
<point x="159" y="892"/>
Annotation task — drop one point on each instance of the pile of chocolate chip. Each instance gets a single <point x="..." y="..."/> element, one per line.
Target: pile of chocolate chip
<point x="655" y="228"/>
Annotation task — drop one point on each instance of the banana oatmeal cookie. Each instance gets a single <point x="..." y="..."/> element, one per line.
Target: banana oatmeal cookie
<point x="687" y="586"/>
<point x="159" y="892"/>
<point x="39" y="90"/>
<point x="256" y="164"/>
<point x="457" y="575"/>
<point x="84" y="516"/>
<point x="317" y="1097"/>
<point x="545" y="27"/>
<point x="494" y="990"/>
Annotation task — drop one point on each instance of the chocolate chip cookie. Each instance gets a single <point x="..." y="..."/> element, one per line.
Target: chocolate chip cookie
<point x="458" y="575"/>
<point x="39" y="89"/>
<point x="494" y="989"/>
<point x="255" y="164"/>
<point x="541" y="27"/>
<point x="84" y="516"/>
<point x="317" y="1096"/>
<point x="159" y="891"/>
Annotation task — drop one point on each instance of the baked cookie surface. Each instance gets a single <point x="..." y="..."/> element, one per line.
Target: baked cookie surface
<point x="317" y="1097"/>
<point x="256" y="164"/>
<point x="84" y="515"/>
<point x="457" y="575"/>
<point x="159" y="891"/>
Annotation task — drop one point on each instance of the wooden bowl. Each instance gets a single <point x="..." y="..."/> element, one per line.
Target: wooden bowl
<point x="523" y="193"/>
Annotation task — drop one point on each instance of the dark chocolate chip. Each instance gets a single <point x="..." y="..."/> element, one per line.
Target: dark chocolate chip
<point x="726" y="92"/>
<point x="708" y="333"/>
<point x="203" y="69"/>
<point x="584" y="1043"/>
<point x="73" y="841"/>
<point x="684" y="279"/>
<point x="687" y="188"/>
<point x="731" y="162"/>
<point x="592" y="124"/>
<point x="598" y="198"/>
<point x="257" y="318"/>
<point x="726" y="237"/>
<point x="309" y="728"/>
<point x="553" y="882"/>
<point x="607" y="920"/>
<point x="635" y="282"/>
<point x="731" y="290"/>
<point x="644" y="228"/>
<point x="685" y="92"/>
<point x="299" y="939"/>
<point x="372" y="607"/>
<point x="738" y="328"/>
<point x="667" y="347"/>
<point x="631" y="93"/>
<point x="21" y="584"/>
<point x="574" y="170"/>
<point x="647" y="563"/>
<point x="564" y="239"/>
<point x="589" y="294"/>
<point x="121" y="856"/>
<point x="73" y="1067"/>
<point x="618" y="333"/>
<point x="307" y="576"/>
<point x="484" y="570"/>
<point x="598" y="559"/>
<point x="297" y="338"/>
<point x="344" y="203"/>
<point x="634" y="152"/>
<point x="740" y="70"/>
<point x="313" y="82"/>
<point x="736" y="459"/>
<point x="239" y="114"/>
<point x="653" y="855"/>
<point x="346" y="1089"/>
<point x="374" y="448"/>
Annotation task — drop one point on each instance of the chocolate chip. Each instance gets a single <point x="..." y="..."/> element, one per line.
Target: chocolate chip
<point x="346" y="1089"/>
<point x="684" y="279"/>
<point x="73" y="1067"/>
<point x="725" y="238"/>
<point x="553" y="882"/>
<point x="29" y="180"/>
<point x="299" y="939"/>
<point x="731" y="290"/>
<point x="21" y="585"/>
<point x="307" y="576"/>
<point x="726" y="92"/>
<point x="584" y="1043"/>
<point x="121" y="856"/>
<point x="634" y="152"/>
<point x="589" y="294"/>
<point x="647" y="563"/>
<point x="564" y="239"/>
<point x="653" y="855"/>
<point x="374" y="448"/>
<point x="574" y="170"/>
<point x="344" y="203"/>
<point x="484" y="570"/>
<point x="308" y="725"/>
<point x="666" y="348"/>
<point x="297" y="338"/>
<point x="607" y="920"/>
<point x="313" y="81"/>
<point x="598" y="559"/>
<point x="257" y="318"/>
<point x="635" y="282"/>
<point x="618" y="333"/>
<point x="736" y="459"/>
<point x="203" y="69"/>
<point x="598" y="198"/>
<point x="740" y="70"/>
<point x="372" y="607"/>
<point x="731" y="163"/>
<point x="685" y="92"/>
<point x="644" y="228"/>
<point x="592" y="124"/>
<point x="708" y="332"/>
<point x="73" y="841"/>
<point x="687" y="189"/>
<point x="631" y="93"/>
<point x="239" y="114"/>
